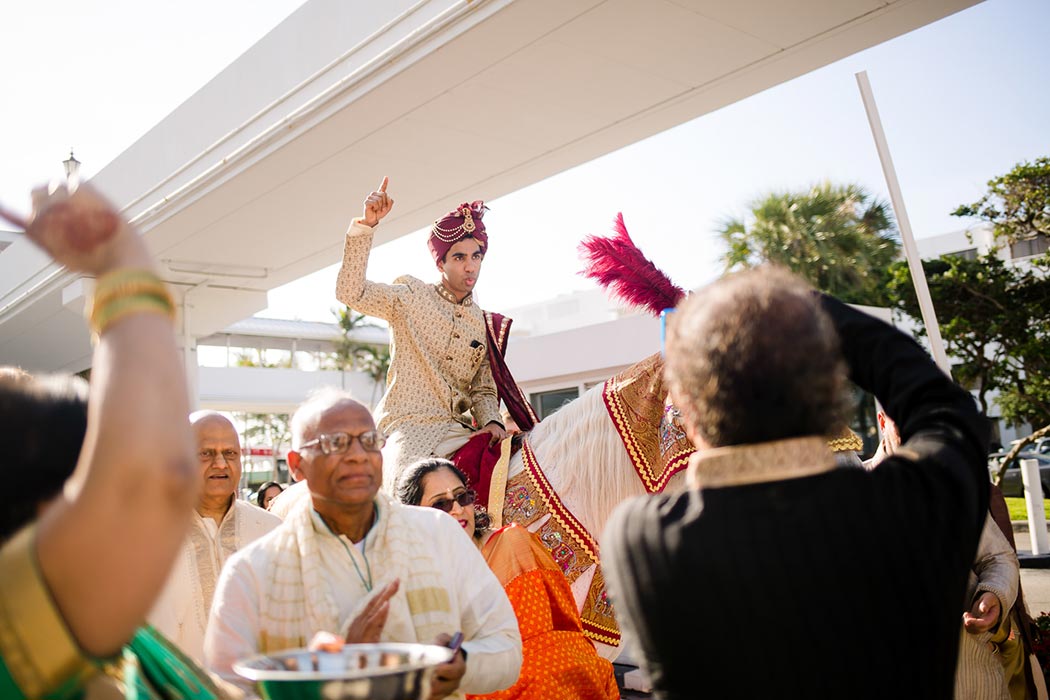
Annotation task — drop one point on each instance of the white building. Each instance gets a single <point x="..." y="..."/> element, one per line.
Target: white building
<point x="263" y="365"/>
<point x="980" y="240"/>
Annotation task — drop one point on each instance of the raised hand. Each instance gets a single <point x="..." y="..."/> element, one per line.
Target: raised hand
<point x="377" y="205"/>
<point x="368" y="624"/>
<point x="82" y="230"/>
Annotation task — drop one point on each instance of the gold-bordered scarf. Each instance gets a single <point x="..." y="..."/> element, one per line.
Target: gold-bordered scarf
<point x="498" y="485"/>
<point x="529" y="498"/>
<point x="297" y="599"/>
<point x="647" y="424"/>
<point x="778" y="460"/>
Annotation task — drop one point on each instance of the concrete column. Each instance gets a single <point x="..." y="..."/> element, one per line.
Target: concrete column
<point x="189" y="348"/>
<point x="189" y="355"/>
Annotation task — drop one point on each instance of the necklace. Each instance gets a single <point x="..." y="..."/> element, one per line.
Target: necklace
<point x="367" y="583"/>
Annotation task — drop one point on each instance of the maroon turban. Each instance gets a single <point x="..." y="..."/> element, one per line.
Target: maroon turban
<point x="461" y="222"/>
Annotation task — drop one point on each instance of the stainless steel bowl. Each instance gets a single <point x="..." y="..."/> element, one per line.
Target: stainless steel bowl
<point x="358" y="672"/>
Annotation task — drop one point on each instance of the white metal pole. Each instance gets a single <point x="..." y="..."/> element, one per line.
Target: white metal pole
<point x="1033" y="497"/>
<point x="911" y="251"/>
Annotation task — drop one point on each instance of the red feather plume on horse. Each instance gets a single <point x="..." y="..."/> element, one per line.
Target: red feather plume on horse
<point x="617" y="264"/>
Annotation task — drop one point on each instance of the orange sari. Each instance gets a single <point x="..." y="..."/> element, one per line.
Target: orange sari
<point x="558" y="660"/>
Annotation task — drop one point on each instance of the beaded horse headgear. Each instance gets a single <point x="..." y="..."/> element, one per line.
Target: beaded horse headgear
<point x="461" y="222"/>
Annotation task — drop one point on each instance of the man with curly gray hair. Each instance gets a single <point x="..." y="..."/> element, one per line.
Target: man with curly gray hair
<point x="779" y="574"/>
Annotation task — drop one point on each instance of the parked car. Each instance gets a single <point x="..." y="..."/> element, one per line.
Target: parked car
<point x="1011" y="483"/>
<point x="1042" y="445"/>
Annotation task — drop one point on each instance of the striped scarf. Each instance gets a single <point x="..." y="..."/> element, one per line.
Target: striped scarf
<point x="311" y="565"/>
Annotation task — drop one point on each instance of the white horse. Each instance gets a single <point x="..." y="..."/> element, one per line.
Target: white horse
<point x="584" y="461"/>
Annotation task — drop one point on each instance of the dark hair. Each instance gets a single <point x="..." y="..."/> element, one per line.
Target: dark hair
<point x="261" y="491"/>
<point x="410" y="487"/>
<point x="45" y="420"/>
<point x="756" y="359"/>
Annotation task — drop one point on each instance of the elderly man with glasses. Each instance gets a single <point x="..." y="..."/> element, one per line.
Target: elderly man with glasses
<point x="352" y="561"/>
<point x="221" y="525"/>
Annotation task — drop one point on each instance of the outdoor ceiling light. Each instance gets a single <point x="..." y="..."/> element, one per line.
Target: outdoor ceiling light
<point x="72" y="165"/>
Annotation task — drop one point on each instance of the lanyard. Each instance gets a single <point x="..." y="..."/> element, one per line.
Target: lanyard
<point x="367" y="583"/>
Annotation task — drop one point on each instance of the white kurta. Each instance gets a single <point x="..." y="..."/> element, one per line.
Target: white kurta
<point x="979" y="673"/>
<point x="445" y="585"/>
<point x="181" y="612"/>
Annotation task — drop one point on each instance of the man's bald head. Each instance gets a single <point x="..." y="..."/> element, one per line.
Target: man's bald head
<point x="307" y="416"/>
<point x="343" y="480"/>
<point x="219" y="455"/>
<point x="210" y="418"/>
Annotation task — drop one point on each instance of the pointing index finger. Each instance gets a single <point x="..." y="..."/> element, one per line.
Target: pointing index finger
<point x="386" y="181"/>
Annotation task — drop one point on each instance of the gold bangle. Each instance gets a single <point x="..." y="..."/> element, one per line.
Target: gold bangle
<point x="105" y="316"/>
<point x="127" y="282"/>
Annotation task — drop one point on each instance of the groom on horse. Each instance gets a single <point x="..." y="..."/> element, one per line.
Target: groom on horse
<point x="442" y="343"/>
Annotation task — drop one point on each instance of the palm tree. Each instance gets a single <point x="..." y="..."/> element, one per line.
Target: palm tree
<point x="347" y="350"/>
<point x="373" y="360"/>
<point x="839" y="238"/>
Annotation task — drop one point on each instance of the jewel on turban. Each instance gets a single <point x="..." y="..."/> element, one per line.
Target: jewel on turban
<point x="461" y="222"/>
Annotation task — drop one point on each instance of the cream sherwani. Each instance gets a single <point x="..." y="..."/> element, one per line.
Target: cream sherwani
<point x="979" y="674"/>
<point x="439" y="368"/>
<point x="181" y="612"/>
<point x="301" y="579"/>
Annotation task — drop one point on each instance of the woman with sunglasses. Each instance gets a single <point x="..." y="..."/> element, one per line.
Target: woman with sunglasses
<point x="558" y="660"/>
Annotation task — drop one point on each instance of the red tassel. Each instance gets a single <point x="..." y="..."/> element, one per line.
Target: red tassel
<point x="616" y="264"/>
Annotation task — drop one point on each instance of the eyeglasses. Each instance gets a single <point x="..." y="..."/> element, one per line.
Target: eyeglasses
<point x="464" y="499"/>
<point x="338" y="443"/>
<point x="209" y="455"/>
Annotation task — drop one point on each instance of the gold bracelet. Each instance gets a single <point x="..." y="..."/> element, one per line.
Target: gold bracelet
<point x="127" y="282"/>
<point x="105" y="316"/>
<point x="125" y="291"/>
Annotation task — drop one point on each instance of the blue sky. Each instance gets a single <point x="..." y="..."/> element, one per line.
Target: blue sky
<point x="962" y="100"/>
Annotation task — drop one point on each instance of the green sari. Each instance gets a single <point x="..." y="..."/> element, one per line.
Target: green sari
<point x="40" y="659"/>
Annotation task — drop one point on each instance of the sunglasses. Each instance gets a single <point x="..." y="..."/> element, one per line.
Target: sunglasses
<point x="464" y="499"/>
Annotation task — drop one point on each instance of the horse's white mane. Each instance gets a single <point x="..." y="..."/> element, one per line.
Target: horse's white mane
<point x="584" y="459"/>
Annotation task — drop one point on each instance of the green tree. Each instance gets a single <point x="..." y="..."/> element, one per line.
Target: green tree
<point x="838" y="237"/>
<point x="375" y="362"/>
<point x="993" y="325"/>
<point x="1017" y="204"/>
<point x="351" y="354"/>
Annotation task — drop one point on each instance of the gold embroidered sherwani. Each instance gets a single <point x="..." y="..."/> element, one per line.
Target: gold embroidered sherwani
<point x="439" y="368"/>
